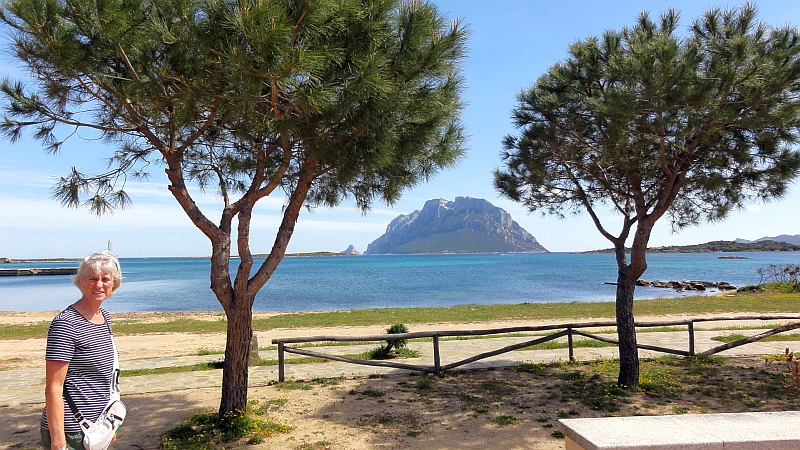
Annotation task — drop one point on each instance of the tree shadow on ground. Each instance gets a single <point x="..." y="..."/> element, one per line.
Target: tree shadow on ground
<point x="478" y="409"/>
<point x="150" y="416"/>
<point x="20" y="426"/>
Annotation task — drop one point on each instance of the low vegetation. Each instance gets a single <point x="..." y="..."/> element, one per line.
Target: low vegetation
<point x="719" y="246"/>
<point x="393" y="347"/>
<point x="205" y="431"/>
<point x="771" y="298"/>
<point x="532" y="395"/>
<point x="785" y="277"/>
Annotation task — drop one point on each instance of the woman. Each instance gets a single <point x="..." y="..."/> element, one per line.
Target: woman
<point x="80" y="355"/>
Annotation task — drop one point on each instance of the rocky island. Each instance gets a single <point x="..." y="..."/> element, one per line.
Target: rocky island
<point x="466" y="225"/>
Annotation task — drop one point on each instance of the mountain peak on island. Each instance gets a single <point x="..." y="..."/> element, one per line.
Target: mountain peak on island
<point x="791" y="239"/>
<point x="466" y="225"/>
<point x="351" y="250"/>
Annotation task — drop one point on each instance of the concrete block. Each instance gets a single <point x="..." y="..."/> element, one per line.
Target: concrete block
<point x="739" y="431"/>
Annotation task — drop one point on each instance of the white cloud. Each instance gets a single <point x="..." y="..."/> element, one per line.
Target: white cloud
<point x="22" y="179"/>
<point x="754" y="208"/>
<point x="46" y="214"/>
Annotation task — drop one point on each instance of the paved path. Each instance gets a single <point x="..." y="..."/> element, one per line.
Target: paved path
<point x="26" y="386"/>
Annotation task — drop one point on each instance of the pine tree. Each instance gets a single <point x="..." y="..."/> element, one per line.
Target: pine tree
<point x="314" y="102"/>
<point x="648" y="123"/>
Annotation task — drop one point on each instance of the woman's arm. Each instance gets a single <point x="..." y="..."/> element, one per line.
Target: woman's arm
<point x="56" y="372"/>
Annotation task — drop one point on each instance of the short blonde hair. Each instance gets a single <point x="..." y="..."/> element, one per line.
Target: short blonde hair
<point x="100" y="263"/>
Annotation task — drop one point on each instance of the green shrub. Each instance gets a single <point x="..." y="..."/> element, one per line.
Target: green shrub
<point x="397" y="328"/>
<point x="392" y="345"/>
<point x="751" y="288"/>
<point x="505" y="420"/>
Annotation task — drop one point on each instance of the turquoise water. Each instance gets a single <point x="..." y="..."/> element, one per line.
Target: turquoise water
<point x="334" y="283"/>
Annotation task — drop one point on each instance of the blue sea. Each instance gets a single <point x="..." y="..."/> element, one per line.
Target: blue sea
<point x="381" y="281"/>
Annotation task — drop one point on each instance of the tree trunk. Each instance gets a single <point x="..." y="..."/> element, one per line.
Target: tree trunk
<point x="238" y="301"/>
<point x="626" y="331"/>
<point x="237" y="351"/>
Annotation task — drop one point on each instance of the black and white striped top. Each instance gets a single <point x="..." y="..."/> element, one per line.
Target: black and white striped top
<point x="88" y="349"/>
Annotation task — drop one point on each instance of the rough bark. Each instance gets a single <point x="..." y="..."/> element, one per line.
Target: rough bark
<point x="237" y="349"/>
<point x="626" y="285"/>
<point x="626" y="331"/>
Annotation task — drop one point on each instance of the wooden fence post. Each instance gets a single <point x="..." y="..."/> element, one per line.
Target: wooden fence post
<point x="437" y="364"/>
<point x="569" y="340"/>
<point x="281" y="374"/>
<point x="691" y="338"/>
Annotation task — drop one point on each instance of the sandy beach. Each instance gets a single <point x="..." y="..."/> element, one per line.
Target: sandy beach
<point x="309" y="411"/>
<point x="338" y="415"/>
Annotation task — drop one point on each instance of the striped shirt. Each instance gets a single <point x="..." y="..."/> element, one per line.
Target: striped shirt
<point x="88" y="349"/>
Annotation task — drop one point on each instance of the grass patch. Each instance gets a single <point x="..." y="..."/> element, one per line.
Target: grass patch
<point x="576" y="343"/>
<point x="379" y="353"/>
<point x="202" y="351"/>
<point x="215" y="365"/>
<point x="212" y="365"/>
<point x="204" y="431"/>
<point x="297" y="360"/>
<point x="424" y="382"/>
<point x="769" y="301"/>
<point x="369" y="392"/>
<point x="532" y="368"/>
<point x="727" y="338"/>
<point x="268" y="406"/>
<point x="293" y="385"/>
<point x="505" y="420"/>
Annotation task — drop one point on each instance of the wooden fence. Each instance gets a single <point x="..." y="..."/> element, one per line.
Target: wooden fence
<point x="560" y="330"/>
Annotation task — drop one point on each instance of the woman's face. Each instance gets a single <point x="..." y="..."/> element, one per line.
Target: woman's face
<point x="96" y="286"/>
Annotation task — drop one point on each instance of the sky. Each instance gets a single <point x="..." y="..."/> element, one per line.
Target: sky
<point x="512" y="43"/>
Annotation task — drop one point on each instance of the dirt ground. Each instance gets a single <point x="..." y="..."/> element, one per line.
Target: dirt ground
<point x="479" y="409"/>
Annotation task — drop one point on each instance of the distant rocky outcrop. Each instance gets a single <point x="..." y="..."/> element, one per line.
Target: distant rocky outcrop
<point x="466" y="225"/>
<point x="718" y="246"/>
<point x="351" y="250"/>
<point x="791" y="239"/>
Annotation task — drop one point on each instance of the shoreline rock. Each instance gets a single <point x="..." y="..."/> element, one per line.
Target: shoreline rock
<point x="688" y="285"/>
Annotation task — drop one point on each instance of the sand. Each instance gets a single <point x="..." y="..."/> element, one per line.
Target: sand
<point x="390" y="412"/>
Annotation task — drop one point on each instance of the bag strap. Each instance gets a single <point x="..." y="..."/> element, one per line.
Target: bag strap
<point x="75" y="412"/>
<point x="115" y="388"/>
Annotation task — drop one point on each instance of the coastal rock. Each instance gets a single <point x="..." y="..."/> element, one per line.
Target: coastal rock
<point x="689" y="285"/>
<point x="466" y="225"/>
<point x="351" y="250"/>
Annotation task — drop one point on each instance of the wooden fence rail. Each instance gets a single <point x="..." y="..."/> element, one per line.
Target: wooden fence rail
<point x="567" y="329"/>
